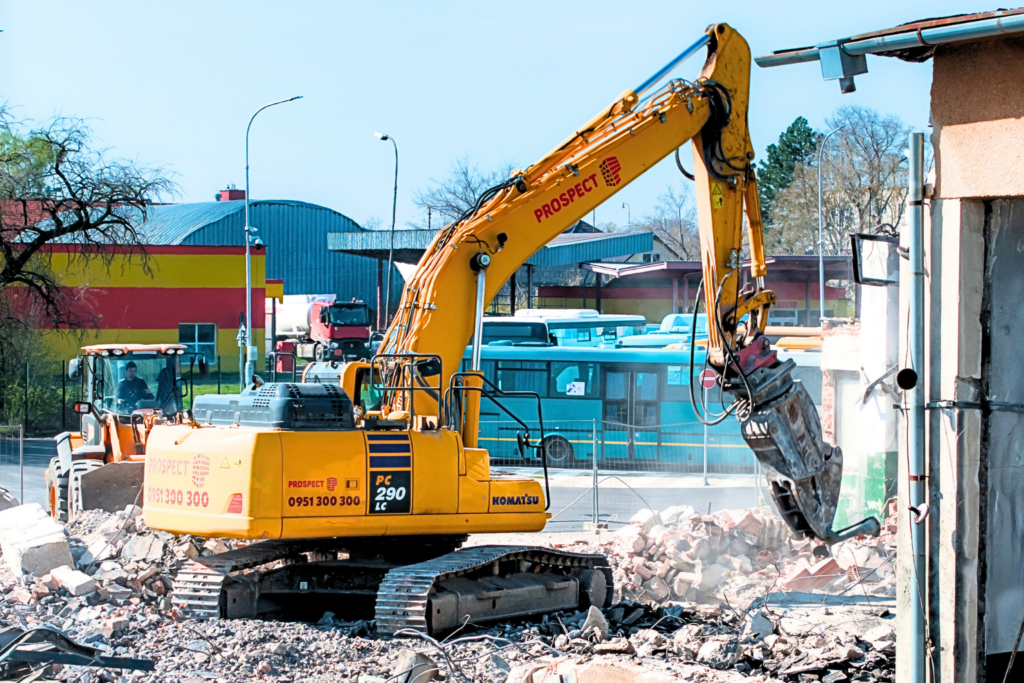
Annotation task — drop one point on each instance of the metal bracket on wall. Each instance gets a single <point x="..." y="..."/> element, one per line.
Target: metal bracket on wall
<point x="994" y="406"/>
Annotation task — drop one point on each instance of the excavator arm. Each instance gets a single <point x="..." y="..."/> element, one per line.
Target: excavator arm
<point x="470" y="259"/>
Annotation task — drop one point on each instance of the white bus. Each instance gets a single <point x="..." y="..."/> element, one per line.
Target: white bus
<point x="560" y="327"/>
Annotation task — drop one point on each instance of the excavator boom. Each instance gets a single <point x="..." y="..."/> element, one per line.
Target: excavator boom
<point x="470" y="260"/>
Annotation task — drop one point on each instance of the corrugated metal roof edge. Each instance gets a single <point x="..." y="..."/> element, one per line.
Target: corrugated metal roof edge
<point x="179" y="239"/>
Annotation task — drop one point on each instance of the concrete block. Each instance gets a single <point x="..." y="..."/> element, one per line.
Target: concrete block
<point x="646" y="519"/>
<point x="32" y="543"/>
<point x="711" y="576"/>
<point x="413" y="667"/>
<point x="73" y="581"/>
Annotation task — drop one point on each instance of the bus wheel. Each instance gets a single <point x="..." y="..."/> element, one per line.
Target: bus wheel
<point x="558" y="449"/>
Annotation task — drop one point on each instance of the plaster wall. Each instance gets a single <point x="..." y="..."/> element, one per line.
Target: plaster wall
<point x="978" y="117"/>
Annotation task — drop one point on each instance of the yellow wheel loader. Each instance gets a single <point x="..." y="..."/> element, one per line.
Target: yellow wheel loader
<point x="127" y="389"/>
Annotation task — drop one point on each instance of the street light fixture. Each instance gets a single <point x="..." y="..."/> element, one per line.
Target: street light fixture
<point x="821" y="235"/>
<point x="394" y="206"/>
<point x="251" y="241"/>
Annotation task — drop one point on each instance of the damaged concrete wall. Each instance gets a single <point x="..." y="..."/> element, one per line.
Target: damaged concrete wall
<point x="852" y="356"/>
<point x="974" y="270"/>
<point x="954" y="264"/>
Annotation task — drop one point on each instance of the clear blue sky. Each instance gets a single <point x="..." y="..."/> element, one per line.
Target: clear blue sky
<point x="174" y="83"/>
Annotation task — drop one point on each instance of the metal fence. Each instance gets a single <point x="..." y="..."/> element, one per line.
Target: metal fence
<point x="41" y="398"/>
<point x="12" y="460"/>
<point x="689" y="447"/>
<point x="654" y="466"/>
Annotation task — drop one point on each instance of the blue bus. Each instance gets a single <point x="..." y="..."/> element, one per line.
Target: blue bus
<point x="638" y="400"/>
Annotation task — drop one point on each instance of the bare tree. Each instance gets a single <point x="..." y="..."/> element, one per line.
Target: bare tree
<point x="451" y="197"/>
<point x="864" y="183"/>
<point x="56" y="189"/>
<point x="674" y="221"/>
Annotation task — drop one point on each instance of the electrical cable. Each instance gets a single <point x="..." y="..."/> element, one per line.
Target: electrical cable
<point x="717" y="418"/>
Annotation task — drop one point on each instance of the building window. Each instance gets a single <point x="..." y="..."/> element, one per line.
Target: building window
<point x="199" y="338"/>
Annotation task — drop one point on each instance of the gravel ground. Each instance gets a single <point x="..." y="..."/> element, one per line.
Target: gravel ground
<point x="129" y="614"/>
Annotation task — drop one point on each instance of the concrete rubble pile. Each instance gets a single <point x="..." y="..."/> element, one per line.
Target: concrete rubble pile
<point x="104" y="580"/>
<point x="738" y="556"/>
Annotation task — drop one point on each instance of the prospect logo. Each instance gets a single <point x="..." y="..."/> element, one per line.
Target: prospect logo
<point x="332" y="483"/>
<point x="200" y="468"/>
<point x="610" y="168"/>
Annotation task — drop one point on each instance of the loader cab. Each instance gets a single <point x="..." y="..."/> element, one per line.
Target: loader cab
<point x="123" y="379"/>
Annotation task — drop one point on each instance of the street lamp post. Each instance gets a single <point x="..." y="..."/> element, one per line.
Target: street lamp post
<point x="250" y="241"/>
<point x="394" y="207"/>
<point x="629" y="219"/>
<point x="821" y="235"/>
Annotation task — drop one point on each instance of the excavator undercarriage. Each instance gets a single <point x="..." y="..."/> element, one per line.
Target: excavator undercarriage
<point x="444" y="590"/>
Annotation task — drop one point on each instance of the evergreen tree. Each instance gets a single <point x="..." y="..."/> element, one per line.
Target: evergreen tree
<point x="797" y="145"/>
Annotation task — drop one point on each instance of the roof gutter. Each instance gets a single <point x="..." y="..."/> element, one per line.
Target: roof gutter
<point x="843" y="59"/>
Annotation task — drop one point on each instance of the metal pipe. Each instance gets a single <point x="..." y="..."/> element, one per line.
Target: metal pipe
<point x="247" y="372"/>
<point x="596" y="516"/>
<point x="915" y="403"/>
<point x="972" y="30"/>
<point x="679" y="59"/>
<point x="478" y="320"/>
<point x="21" y="459"/>
<point x="821" y="237"/>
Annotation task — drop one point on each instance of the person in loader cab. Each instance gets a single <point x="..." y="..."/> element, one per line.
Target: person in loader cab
<point x="132" y="388"/>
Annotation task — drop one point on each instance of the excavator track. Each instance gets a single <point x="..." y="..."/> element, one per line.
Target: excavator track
<point x="198" y="586"/>
<point x="403" y="595"/>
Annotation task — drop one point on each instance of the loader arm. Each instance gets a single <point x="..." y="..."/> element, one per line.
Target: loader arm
<point x="440" y="303"/>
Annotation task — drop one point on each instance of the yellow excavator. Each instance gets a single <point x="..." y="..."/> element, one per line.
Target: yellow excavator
<point x="364" y="487"/>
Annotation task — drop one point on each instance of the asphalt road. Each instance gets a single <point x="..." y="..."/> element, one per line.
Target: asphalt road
<point x="620" y="494"/>
<point x="37" y="458"/>
<point x="617" y="505"/>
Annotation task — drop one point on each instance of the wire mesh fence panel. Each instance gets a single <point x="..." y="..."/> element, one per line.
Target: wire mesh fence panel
<point x="12" y="456"/>
<point x="636" y="467"/>
<point x="683" y="447"/>
<point x="41" y="398"/>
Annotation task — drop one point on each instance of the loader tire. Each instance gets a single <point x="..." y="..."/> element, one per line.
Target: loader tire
<point x="58" y="493"/>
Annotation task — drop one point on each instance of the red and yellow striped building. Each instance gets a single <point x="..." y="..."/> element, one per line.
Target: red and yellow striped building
<point x="163" y="295"/>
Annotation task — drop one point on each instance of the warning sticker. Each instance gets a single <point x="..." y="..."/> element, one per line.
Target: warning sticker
<point x="717" y="198"/>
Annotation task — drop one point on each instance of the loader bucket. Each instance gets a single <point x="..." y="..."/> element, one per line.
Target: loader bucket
<point x="805" y="473"/>
<point x="112" y="487"/>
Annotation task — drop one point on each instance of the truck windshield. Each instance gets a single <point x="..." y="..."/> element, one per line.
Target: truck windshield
<point x="136" y="382"/>
<point x="348" y="315"/>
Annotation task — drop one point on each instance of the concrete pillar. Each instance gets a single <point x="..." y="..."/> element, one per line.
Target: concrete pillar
<point x="807" y="303"/>
<point x="512" y="293"/>
<point x="686" y="295"/>
<point x="675" y="295"/>
<point x="597" y="294"/>
<point x="529" y="286"/>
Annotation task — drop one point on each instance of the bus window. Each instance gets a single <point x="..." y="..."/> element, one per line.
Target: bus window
<point x="608" y="333"/>
<point x="523" y="375"/>
<point x="517" y="333"/>
<point x="486" y="365"/>
<point x="576" y="379"/>
<point x="647" y="386"/>
<point x="583" y="336"/>
<point x="676" y="386"/>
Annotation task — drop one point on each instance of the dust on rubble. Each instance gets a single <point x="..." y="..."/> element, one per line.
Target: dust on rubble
<point x="689" y="605"/>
